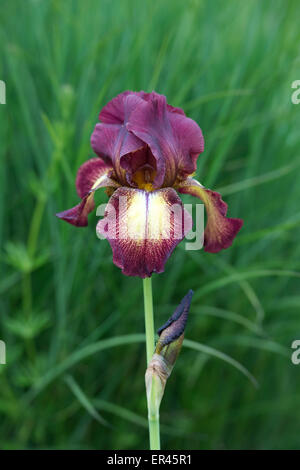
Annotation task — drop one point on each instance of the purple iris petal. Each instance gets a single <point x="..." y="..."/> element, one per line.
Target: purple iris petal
<point x="133" y="121"/>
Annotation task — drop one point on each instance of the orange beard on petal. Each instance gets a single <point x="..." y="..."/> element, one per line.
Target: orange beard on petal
<point x="144" y="178"/>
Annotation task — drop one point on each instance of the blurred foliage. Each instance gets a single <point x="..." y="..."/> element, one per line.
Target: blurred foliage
<point x="72" y="323"/>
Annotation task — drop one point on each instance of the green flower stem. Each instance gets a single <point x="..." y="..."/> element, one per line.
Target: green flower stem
<point x="149" y="322"/>
<point x="153" y="411"/>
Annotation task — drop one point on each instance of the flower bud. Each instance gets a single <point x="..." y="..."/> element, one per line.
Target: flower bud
<point x="171" y="336"/>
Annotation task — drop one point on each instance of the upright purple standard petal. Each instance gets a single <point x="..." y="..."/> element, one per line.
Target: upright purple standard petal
<point x="174" y="139"/>
<point x="133" y="122"/>
<point x="111" y="139"/>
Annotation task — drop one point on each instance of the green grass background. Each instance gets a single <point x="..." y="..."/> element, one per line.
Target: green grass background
<point x="72" y="323"/>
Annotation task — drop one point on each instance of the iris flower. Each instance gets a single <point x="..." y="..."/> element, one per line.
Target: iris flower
<point x="147" y="153"/>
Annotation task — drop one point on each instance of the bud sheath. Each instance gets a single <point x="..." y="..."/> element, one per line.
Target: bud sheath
<point x="171" y="336"/>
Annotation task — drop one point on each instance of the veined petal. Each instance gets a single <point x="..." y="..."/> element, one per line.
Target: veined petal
<point x="174" y="139"/>
<point x="143" y="228"/>
<point x="220" y="230"/>
<point x="92" y="175"/>
<point x="77" y="215"/>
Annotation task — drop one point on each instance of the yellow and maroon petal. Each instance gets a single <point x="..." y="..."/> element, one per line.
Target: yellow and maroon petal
<point x="92" y="175"/>
<point x="220" y="230"/>
<point x="143" y="228"/>
<point x="77" y="215"/>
